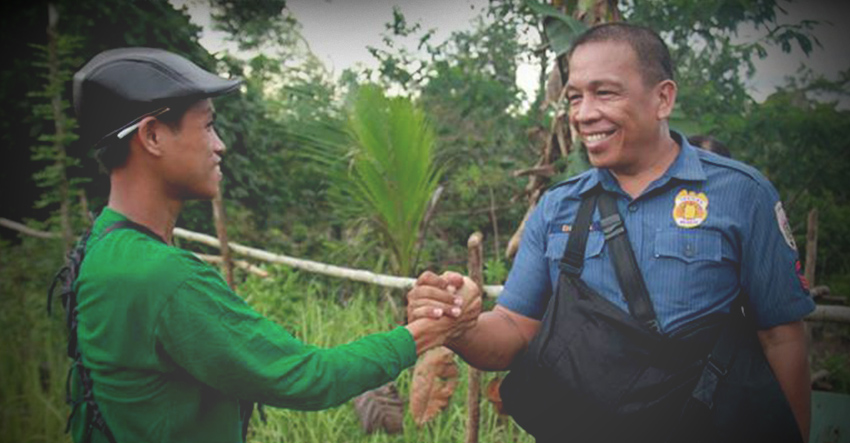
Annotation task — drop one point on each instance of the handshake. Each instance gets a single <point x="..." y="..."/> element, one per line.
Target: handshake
<point x="441" y="309"/>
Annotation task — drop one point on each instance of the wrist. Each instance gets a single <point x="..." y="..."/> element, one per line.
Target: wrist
<point x="424" y="335"/>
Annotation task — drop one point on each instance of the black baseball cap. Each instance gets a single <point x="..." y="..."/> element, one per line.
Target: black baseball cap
<point x="119" y="87"/>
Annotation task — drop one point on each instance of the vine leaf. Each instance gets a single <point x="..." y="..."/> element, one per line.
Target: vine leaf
<point x="381" y="409"/>
<point x="434" y="380"/>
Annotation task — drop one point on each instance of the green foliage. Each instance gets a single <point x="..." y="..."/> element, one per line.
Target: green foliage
<point x="33" y="355"/>
<point x="467" y="85"/>
<point x="560" y="29"/>
<point x="495" y="270"/>
<point x="838" y="366"/>
<point x="712" y="64"/>
<point x="381" y="169"/>
<point x="802" y="147"/>
<point x="56" y="62"/>
<point x="253" y="24"/>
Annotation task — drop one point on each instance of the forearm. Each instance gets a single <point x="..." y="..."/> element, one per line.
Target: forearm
<point x="325" y="377"/>
<point x="494" y="342"/>
<point x="786" y="350"/>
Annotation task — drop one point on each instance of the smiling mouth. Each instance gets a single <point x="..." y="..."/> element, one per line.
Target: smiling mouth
<point x="598" y="136"/>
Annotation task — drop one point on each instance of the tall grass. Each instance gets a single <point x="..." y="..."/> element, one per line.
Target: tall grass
<point x="33" y="360"/>
<point x="313" y="312"/>
<point x="319" y="311"/>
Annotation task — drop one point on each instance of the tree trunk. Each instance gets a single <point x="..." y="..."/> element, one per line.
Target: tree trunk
<point x="811" y="247"/>
<point x="60" y="128"/>
<point x="558" y="142"/>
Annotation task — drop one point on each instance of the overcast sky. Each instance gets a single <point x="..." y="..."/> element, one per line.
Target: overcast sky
<point x="338" y="32"/>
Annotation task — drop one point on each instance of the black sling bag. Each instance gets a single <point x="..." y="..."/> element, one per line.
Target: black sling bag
<point x="594" y="373"/>
<point x="65" y="279"/>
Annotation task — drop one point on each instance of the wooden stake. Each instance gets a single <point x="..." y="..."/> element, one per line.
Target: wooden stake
<point x="221" y="231"/>
<point x="473" y="392"/>
<point x="811" y="247"/>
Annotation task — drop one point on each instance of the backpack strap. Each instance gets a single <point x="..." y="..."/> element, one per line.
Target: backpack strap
<point x="572" y="262"/>
<point x="628" y="273"/>
<point x="66" y="278"/>
<point x="722" y="355"/>
<point x="129" y="224"/>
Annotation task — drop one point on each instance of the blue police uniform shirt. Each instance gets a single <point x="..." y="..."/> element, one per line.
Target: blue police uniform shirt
<point x="707" y="229"/>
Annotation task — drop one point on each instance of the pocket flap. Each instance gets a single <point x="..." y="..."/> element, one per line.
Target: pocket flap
<point x="558" y="244"/>
<point x="689" y="245"/>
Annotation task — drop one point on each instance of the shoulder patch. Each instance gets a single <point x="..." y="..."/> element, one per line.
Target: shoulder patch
<point x="784" y="225"/>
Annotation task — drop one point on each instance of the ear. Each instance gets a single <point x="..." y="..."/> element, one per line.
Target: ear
<point x="666" y="94"/>
<point x="151" y="136"/>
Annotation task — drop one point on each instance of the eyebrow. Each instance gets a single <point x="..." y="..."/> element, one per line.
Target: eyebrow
<point x="597" y="83"/>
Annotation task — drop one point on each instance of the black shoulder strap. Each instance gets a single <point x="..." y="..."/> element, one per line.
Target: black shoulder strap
<point x="66" y="278"/>
<point x="628" y="273"/>
<point x="128" y="224"/>
<point x="573" y="260"/>
<point x="722" y="355"/>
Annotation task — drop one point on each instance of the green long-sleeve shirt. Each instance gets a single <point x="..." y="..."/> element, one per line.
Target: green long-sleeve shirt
<point x="172" y="349"/>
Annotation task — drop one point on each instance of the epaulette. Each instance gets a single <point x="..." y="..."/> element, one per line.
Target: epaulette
<point x="574" y="179"/>
<point x="729" y="163"/>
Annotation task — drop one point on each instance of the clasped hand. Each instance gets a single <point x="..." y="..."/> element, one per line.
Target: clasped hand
<point x="450" y="302"/>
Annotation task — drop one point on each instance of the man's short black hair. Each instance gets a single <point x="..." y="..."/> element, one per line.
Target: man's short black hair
<point x="654" y="59"/>
<point x="115" y="154"/>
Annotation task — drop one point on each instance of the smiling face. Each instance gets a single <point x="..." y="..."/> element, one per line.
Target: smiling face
<point x="192" y="153"/>
<point x="621" y="120"/>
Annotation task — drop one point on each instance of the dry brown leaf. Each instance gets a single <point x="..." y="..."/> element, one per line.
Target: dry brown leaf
<point x="434" y="380"/>
<point x="381" y="409"/>
<point x="492" y="394"/>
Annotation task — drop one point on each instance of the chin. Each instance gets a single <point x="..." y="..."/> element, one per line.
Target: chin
<point x="598" y="161"/>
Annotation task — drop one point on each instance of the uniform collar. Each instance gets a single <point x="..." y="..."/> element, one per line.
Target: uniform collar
<point x="686" y="167"/>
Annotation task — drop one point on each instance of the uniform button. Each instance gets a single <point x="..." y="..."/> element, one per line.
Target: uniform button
<point x="689" y="250"/>
<point x="633" y="207"/>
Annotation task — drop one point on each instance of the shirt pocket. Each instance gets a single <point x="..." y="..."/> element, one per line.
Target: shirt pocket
<point x="558" y="244"/>
<point x="689" y="246"/>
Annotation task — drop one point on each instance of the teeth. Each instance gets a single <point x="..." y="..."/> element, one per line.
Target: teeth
<point x="596" y="137"/>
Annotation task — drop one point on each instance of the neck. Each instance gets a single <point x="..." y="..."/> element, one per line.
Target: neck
<point x="144" y="202"/>
<point x="658" y="159"/>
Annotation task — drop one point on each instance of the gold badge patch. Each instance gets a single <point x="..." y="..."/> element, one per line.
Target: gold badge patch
<point x="690" y="209"/>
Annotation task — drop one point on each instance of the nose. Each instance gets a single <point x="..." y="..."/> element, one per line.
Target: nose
<point x="218" y="145"/>
<point x="584" y="111"/>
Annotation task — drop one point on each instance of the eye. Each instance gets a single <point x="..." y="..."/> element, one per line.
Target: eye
<point x="573" y="98"/>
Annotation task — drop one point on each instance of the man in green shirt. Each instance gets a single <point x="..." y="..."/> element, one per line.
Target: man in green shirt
<point x="171" y="352"/>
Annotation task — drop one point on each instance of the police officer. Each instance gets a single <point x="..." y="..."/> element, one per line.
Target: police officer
<point x="703" y="228"/>
<point x="167" y="352"/>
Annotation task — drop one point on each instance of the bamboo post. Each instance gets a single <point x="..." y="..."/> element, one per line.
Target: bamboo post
<point x="473" y="392"/>
<point x="811" y="247"/>
<point x="221" y="231"/>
